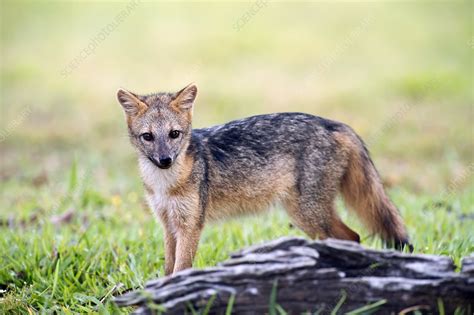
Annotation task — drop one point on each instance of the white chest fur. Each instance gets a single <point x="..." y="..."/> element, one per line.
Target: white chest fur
<point x="159" y="181"/>
<point x="172" y="210"/>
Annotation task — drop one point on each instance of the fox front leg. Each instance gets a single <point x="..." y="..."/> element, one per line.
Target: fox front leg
<point x="186" y="247"/>
<point x="170" y="251"/>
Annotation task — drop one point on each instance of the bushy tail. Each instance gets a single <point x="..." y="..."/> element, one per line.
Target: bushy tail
<point x="363" y="192"/>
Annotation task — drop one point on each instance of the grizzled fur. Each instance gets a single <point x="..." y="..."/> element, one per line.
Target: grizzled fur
<point x="299" y="160"/>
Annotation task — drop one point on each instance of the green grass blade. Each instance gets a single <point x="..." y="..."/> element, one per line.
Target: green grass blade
<point x="339" y="303"/>
<point x="368" y="309"/>
<point x="56" y="276"/>
<point x="230" y="305"/>
<point x="209" y="304"/>
<point x="273" y="297"/>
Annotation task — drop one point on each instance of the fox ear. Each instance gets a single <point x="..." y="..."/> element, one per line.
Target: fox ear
<point x="184" y="99"/>
<point x="130" y="103"/>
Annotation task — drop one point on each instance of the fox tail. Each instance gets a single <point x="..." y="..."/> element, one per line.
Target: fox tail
<point x="363" y="192"/>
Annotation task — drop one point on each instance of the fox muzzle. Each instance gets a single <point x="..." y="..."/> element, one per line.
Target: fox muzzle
<point x="162" y="162"/>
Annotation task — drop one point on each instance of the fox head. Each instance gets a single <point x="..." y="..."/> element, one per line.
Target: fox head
<point x="159" y="124"/>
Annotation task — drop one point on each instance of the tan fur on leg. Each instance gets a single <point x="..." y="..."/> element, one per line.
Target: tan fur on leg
<point x="186" y="247"/>
<point x="341" y="231"/>
<point x="170" y="252"/>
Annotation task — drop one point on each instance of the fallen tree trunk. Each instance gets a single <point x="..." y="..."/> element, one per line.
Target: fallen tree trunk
<point x="300" y="276"/>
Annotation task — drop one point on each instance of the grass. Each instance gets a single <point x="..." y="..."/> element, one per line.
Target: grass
<point x="110" y="243"/>
<point x="75" y="229"/>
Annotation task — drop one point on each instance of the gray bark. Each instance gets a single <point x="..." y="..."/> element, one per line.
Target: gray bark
<point x="314" y="276"/>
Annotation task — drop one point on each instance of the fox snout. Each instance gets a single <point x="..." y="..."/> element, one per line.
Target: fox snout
<point x="162" y="162"/>
<point x="165" y="162"/>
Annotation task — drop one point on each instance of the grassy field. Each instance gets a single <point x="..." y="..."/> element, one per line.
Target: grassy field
<point x="74" y="226"/>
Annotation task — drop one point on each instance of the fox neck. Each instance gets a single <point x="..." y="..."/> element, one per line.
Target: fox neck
<point x="160" y="181"/>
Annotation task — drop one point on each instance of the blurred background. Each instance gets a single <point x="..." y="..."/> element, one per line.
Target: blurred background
<point x="400" y="73"/>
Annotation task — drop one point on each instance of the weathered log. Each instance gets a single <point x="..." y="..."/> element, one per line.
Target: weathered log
<point x="303" y="276"/>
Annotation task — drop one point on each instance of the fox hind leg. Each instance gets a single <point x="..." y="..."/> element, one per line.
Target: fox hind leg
<point x="319" y="220"/>
<point x="341" y="231"/>
<point x="311" y="223"/>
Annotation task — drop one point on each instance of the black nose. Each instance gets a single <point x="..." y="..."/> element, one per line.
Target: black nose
<point x="165" y="162"/>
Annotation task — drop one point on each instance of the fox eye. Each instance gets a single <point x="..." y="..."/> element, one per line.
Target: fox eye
<point x="174" y="134"/>
<point x="147" y="136"/>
